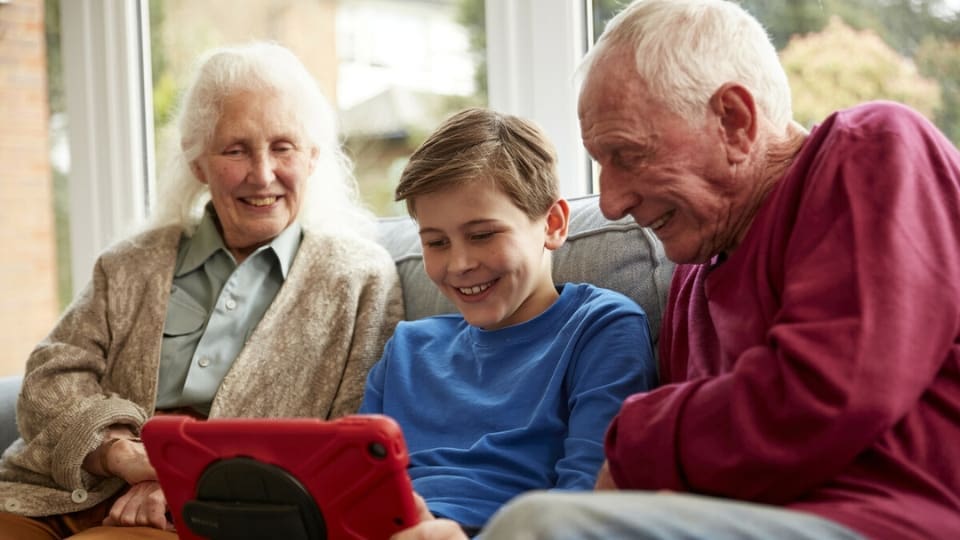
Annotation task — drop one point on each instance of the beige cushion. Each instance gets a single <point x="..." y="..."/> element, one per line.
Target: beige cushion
<point x="618" y="255"/>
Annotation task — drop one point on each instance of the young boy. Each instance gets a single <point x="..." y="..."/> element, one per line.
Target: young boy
<point x="515" y="393"/>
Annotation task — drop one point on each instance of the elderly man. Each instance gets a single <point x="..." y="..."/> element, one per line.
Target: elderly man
<point x="810" y="353"/>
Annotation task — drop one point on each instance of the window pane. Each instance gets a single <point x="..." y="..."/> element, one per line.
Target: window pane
<point x="393" y="68"/>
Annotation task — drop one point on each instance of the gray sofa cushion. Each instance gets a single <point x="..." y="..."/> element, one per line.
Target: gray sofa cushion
<point x="9" y="390"/>
<point x="618" y="255"/>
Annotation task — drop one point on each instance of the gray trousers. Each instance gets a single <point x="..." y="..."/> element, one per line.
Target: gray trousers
<point x="610" y="515"/>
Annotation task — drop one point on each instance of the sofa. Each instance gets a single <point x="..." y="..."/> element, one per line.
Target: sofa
<point x="618" y="255"/>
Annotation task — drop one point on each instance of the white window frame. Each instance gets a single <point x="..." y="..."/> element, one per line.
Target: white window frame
<point x="110" y="116"/>
<point x="533" y="49"/>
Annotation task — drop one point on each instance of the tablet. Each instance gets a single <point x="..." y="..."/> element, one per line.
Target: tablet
<point x="289" y="478"/>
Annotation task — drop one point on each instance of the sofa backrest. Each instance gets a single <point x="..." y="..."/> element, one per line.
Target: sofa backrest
<point x="618" y="255"/>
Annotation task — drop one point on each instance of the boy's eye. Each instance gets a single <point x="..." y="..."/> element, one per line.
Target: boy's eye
<point x="481" y="236"/>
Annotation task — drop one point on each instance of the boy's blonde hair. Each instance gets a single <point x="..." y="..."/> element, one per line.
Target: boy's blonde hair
<point x="479" y="144"/>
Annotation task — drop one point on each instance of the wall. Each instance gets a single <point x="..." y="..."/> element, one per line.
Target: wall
<point x="28" y="300"/>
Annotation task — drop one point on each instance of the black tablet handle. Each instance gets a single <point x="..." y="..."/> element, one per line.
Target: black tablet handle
<point x="246" y="499"/>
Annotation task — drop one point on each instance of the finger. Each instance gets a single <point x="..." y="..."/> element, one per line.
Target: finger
<point x="116" y="511"/>
<point x="422" y="511"/>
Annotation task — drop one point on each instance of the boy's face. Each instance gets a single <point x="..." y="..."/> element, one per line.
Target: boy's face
<point x="487" y="256"/>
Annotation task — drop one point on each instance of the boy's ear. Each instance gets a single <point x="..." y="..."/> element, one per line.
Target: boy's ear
<point x="558" y="221"/>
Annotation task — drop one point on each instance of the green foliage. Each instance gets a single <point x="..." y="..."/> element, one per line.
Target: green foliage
<point x="472" y="15"/>
<point x="840" y="67"/>
<point x="51" y="30"/>
<point x="940" y="58"/>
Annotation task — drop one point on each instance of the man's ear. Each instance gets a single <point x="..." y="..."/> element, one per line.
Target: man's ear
<point x="558" y="222"/>
<point x="198" y="172"/>
<point x="736" y="110"/>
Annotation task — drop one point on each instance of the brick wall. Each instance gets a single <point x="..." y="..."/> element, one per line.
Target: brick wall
<point x="28" y="299"/>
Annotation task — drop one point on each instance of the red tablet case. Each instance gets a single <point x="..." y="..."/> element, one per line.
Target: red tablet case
<point x="283" y="478"/>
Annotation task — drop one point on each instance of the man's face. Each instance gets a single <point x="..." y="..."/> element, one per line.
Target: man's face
<point x="670" y="175"/>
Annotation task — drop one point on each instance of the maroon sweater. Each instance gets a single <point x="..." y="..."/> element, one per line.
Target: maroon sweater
<point x="818" y="367"/>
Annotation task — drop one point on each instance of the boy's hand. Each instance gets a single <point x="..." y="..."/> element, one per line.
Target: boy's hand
<point x="430" y="528"/>
<point x="604" y="478"/>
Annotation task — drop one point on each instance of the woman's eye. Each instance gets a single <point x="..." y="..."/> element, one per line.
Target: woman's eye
<point x="434" y="244"/>
<point x="233" y="152"/>
<point x="481" y="236"/>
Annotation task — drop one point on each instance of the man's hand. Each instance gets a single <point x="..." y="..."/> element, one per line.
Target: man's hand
<point x="430" y="528"/>
<point x="604" y="479"/>
<point x="143" y="505"/>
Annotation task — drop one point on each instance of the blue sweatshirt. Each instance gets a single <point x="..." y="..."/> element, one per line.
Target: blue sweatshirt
<point x="488" y="415"/>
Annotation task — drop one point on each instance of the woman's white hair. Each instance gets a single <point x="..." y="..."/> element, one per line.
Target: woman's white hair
<point x="330" y="199"/>
<point x="686" y="49"/>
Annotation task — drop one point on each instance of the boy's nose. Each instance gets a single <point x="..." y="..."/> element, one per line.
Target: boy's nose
<point x="461" y="260"/>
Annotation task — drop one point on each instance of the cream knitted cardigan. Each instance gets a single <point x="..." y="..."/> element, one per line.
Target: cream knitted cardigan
<point x="309" y="356"/>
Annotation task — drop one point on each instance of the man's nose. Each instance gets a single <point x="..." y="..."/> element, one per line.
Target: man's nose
<point x="615" y="194"/>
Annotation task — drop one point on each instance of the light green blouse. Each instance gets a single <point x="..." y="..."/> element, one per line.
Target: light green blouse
<point x="214" y="306"/>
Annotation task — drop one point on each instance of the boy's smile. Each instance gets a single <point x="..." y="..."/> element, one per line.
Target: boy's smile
<point x="486" y="255"/>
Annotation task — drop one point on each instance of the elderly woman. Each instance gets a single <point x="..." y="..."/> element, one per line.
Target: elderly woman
<point x="254" y="294"/>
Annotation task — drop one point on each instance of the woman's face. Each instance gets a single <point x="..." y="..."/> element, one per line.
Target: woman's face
<point x="257" y="167"/>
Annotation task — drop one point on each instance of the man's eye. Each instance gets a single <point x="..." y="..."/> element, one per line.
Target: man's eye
<point x="481" y="236"/>
<point x="283" y="148"/>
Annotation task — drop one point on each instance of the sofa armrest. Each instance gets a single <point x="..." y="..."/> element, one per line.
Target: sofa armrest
<point x="9" y="390"/>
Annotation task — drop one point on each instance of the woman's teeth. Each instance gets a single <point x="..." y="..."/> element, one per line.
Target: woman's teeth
<point x="260" y="201"/>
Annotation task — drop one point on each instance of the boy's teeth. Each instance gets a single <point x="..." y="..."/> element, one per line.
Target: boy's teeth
<point x="476" y="289"/>
<point x="261" y="201"/>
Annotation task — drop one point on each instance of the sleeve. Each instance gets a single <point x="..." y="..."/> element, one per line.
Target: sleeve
<point x="62" y="410"/>
<point x="379" y="309"/>
<point x="373" y="392"/>
<point x="867" y="313"/>
<point x="613" y="359"/>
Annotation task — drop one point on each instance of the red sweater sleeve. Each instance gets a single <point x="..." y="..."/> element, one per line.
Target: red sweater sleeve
<point x="814" y="344"/>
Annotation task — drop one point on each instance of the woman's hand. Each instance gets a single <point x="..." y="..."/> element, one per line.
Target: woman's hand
<point x="127" y="459"/>
<point x="143" y="505"/>
<point x="121" y="455"/>
<point x="430" y="528"/>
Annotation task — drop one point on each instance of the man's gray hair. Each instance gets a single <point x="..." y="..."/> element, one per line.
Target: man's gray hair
<point x="686" y="49"/>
